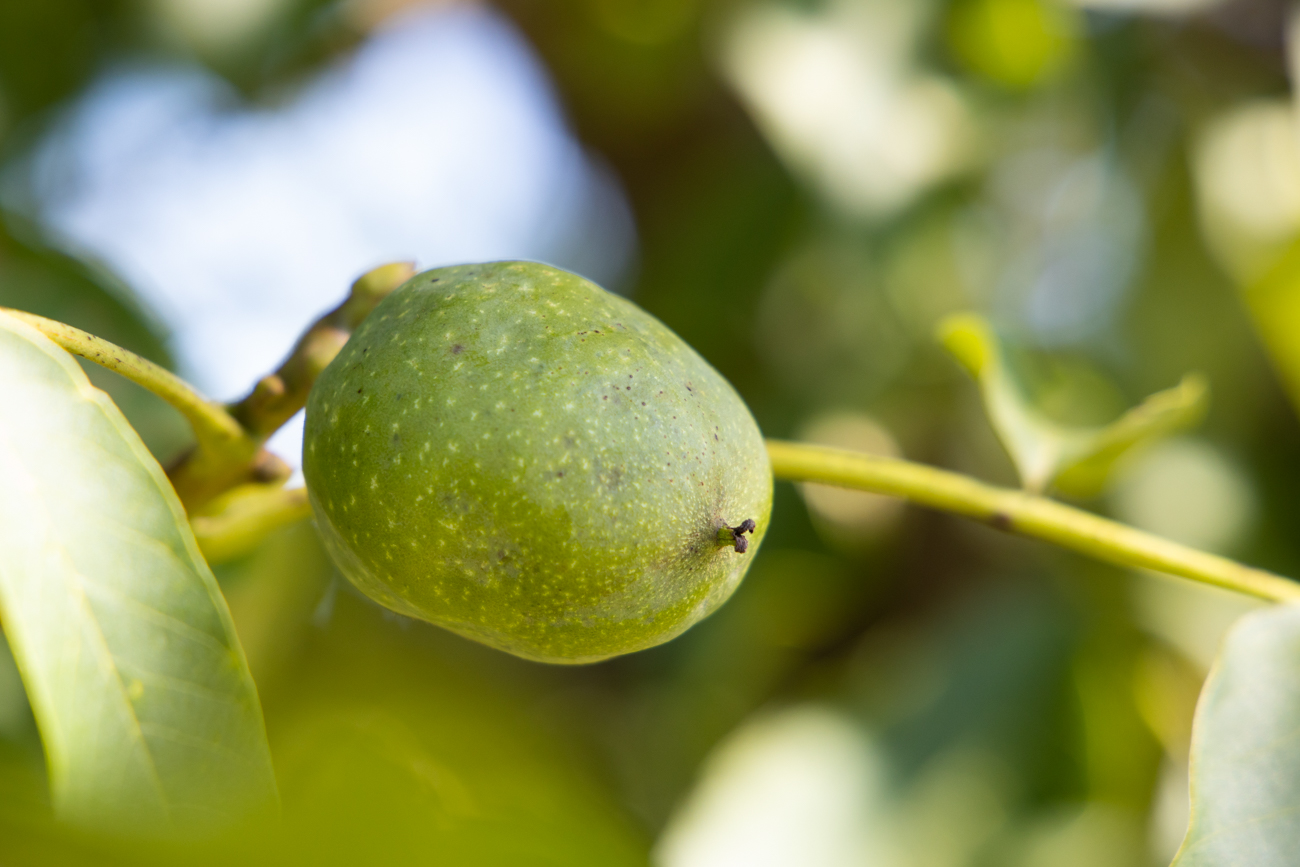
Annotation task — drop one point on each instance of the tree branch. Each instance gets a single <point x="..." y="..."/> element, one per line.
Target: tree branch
<point x="1023" y="513"/>
<point x="228" y="440"/>
<point x="276" y="397"/>
<point x="274" y="400"/>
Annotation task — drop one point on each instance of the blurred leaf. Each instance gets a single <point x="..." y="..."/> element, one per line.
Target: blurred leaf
<point x="47" y="49"/>
<point x="1159" y="415"/>
<point x="882" y="129"/>
<point x="1245" y="761"/>
<point x="1097" y="834"/>
<point x="15" y="712"/>
<point x="803" y="785"/>
<point x="272" y="593"/>
<point x="989" y="671"/>
<point x="148" y="714"/>
<point x="1015" y="43"/>
<point x="824" y="327"/>
<point x="1274" y="302"/>
<point x="627" y="70"/>
<point x="1246" y="168"/>
<point x="1077" y="458"/>
<point x="399" y="744"/>
<point x="1119" y="754"/>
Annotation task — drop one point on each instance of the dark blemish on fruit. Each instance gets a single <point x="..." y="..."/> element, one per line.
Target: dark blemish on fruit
<point x="560" y="474"/>
<point x="399" y="395"/>
<point x="457" y="349"/>
<point x="715" y="438"/>
<point x="359" y="390"/>
<point x="605" y="397"/>
<point x="643" y="403"/>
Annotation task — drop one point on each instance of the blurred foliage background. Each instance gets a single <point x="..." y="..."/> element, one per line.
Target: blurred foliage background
<point x="802" y="190"/>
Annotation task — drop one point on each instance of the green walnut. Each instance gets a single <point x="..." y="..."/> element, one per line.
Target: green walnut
<point x="511" y="452"/>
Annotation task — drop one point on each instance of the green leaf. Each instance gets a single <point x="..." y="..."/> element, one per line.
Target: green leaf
<point x="1077" y="459"/>
<point x="149" y="717"/>
<point x="1245" y="753"/>
<point x="1161" y="414"/>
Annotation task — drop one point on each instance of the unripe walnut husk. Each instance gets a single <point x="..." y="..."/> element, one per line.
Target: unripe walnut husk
<point x="511" y="452"/>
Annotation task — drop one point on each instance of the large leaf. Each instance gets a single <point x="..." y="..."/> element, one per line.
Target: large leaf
<point x="1246" y="749"/>
<point x="1076" y="458"/>
<point x="149" y="717"/>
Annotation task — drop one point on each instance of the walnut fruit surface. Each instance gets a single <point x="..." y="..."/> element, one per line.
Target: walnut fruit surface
<point x="511" y="452"/>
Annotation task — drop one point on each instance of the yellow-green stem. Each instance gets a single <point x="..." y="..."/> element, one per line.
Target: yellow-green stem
<point x="229" y="449"/>
<point x="228" y="454"/>
<point x="276" y="397"/>
<point x="213" y="426"/>
<point x="1023" y="513"/>
<point x="236" y="522"/>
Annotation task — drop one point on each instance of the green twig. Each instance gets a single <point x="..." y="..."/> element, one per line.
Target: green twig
<point x="236" y="522"/>
<point x="275" y="398"/>
<point x="228" y="450"/>
<point x="224" y="454"/>
<point x="1023" y="513"/>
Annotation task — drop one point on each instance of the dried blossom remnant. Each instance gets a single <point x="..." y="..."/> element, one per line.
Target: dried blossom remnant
<point x="735" y="536"/>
